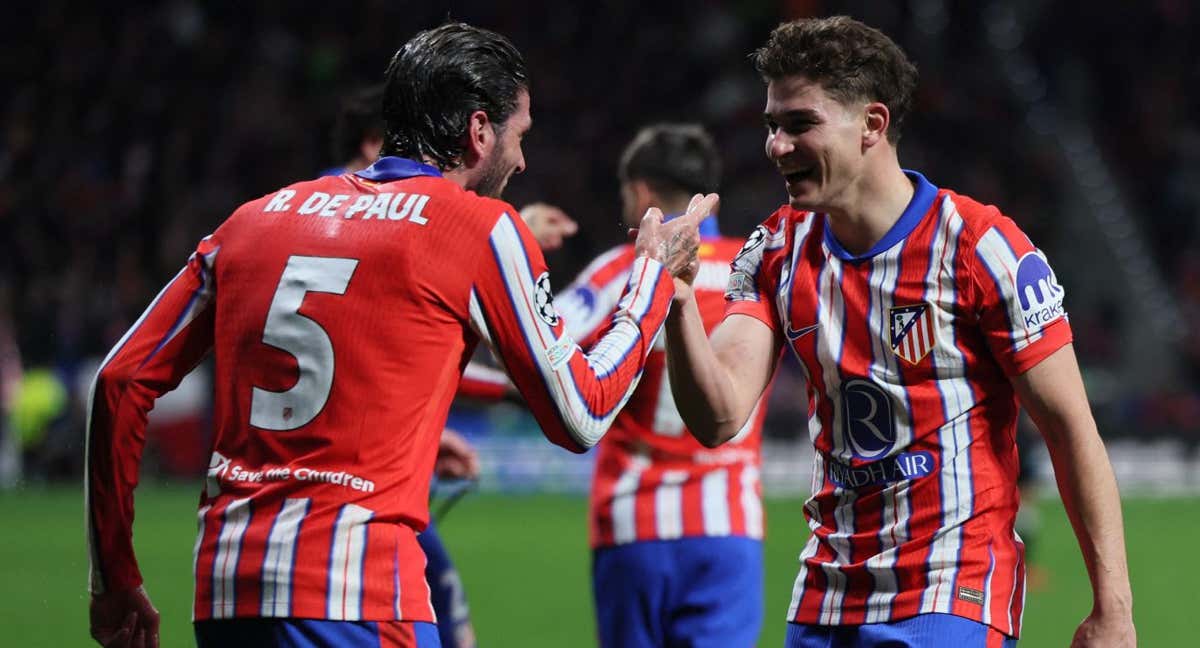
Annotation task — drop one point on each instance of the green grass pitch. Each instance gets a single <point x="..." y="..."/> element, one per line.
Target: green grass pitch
<point x="524" y="561"/>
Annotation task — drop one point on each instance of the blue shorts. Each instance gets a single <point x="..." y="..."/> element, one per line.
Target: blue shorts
<point x="314" y="633"/>
<point x="689" y="592"/>
<point x="446" y="591"/>
<point x="921" y="631"/>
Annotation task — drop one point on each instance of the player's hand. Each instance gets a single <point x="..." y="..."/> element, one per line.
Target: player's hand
<point x="456" y="459"/>
<point x="549" y="224"/>
<point x="124" y="619"/>
<point x="1105" y="631"/>
<point x="676" y="244"/>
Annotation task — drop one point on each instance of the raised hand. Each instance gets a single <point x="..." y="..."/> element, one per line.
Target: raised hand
<point x="675" y="244"/>
<point x="549" y="224"/>
<point x="456" y="459"/>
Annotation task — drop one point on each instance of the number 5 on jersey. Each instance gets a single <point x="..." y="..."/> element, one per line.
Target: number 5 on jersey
<point x="304" y="339"/>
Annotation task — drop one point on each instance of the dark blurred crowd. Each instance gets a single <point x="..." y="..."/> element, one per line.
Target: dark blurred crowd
<point x="129" y="131"/>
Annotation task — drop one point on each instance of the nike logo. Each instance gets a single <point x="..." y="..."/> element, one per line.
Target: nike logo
<point x="796" y="334"/>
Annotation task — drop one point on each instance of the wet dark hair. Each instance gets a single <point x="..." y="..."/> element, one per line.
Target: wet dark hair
<point x="359" y="118"/>
<point x="437" y="80"/>
<point x="672" y="158"/>
<point x="851" y="61"/>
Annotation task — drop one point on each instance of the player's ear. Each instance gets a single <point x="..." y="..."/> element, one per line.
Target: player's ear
<point x="643" y="197"/>
<point x="876" y="119"/>
<point x="481" y="138"/>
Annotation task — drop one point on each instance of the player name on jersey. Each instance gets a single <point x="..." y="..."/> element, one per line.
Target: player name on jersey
<point x="383" y="206"/>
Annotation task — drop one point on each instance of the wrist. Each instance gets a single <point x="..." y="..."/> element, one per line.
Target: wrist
<point x="1117" y="604"/>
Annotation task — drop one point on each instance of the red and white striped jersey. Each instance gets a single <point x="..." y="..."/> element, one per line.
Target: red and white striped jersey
<point x="908" y="350"/>
<point x="341" y="312"/>
<point x="652" y="480"/>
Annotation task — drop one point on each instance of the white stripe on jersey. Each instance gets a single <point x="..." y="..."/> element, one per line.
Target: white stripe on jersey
<point x="831" y="315"/>
<point x="1001" y="263"/>
<point x="814" y="517"/>
<point x="667" y="420"/>
<point x="280" y="559"/>
<point x="225" y="563"/>
<point x="714" y="501"/>
<point x="881" y="285"/>
<point x="624" y="503"/>
<point x="987" y="587"/>
<point x="344" y="602"/>
<point x="751" y="504"/>
<point x="580" y="317"/>
<point x="196" y="550"/>
<point x="783" y="296"/>
<point x="954" y="437"/>
<point x="199" y="302"/>
<point x="839" y="540"/>
<point x="668" y="505"/>
<point x="585" y="427"/>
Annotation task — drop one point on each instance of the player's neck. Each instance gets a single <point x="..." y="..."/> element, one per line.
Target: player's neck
<point x="874" y="204"/>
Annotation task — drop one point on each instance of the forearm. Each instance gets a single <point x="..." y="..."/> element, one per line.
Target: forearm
<point x="1089" y="492"/>
<point x="701" y="385"/>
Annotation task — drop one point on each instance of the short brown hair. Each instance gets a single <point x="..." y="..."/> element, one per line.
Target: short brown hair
<point x="851" y="61"/>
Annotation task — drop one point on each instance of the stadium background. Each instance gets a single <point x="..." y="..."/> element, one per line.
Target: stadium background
<point x="128" y="132"/>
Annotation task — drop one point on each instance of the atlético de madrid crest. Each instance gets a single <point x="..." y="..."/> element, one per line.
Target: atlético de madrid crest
<point x="913" y="331"/>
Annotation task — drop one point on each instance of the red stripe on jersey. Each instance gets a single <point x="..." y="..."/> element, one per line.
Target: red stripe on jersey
<point x="944" y="535"/>
<point x="649" y="426"/>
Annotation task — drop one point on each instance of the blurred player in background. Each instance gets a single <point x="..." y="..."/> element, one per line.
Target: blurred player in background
<point x="341" y="312"/>
<point x="921" y="318"/>
<point x="676" y="529"/>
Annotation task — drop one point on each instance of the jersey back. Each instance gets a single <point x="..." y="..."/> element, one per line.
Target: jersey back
<point x="653" y="480"/>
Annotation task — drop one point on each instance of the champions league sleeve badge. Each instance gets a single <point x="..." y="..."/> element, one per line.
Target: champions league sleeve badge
<point x="913" y="333"/>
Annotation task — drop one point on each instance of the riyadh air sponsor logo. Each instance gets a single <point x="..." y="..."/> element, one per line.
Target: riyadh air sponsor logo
<point x="906" y="465"/>
<point x="1038" y="291"/>
<point x="225" y="471"/>
<point x="796" y="334"/>
<point x="868" y="421"/>
<point x="913" y="333"/>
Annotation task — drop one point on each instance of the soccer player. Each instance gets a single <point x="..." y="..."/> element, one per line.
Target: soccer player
<point x="922" y="318"/>
<point x="357" y="139"/>
<point x="341" y="312"/>
<point x="675" y="528"/>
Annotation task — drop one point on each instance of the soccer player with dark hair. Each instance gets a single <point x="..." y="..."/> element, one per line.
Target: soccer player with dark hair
<point x="675" y="528"/>
<point x="922" y="320"/>
<point x="357" y="138"/>
<point x="341" y="312"/>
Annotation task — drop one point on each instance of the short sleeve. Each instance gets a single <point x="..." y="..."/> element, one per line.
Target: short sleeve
<point x="1019" y="300"/>
<point x="754" y="273"/>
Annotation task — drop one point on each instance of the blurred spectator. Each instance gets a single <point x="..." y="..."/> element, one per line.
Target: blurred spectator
<point x="127" y="133"/>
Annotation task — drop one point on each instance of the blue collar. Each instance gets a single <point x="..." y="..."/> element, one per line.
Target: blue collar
<point x="923" y="195"/>
<point x="708" y="226"/>
<point x="390" y="168"/>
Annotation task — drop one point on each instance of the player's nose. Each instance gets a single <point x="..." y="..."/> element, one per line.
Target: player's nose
<point x="778" y="145"/>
